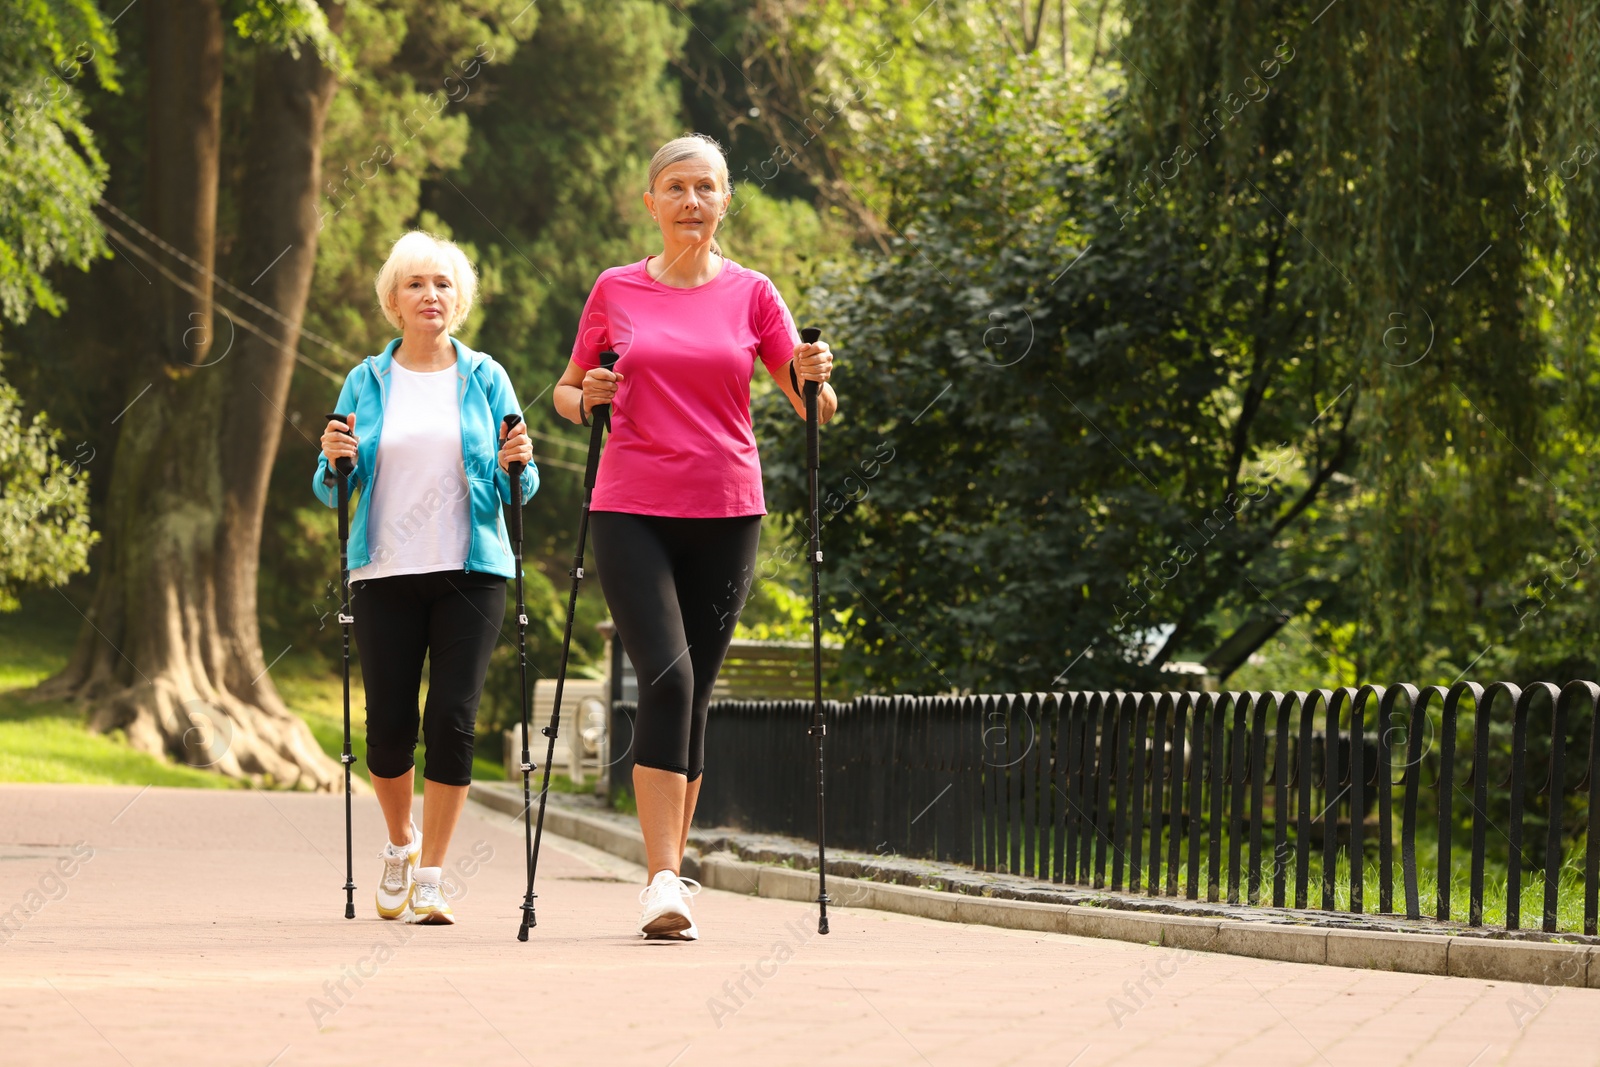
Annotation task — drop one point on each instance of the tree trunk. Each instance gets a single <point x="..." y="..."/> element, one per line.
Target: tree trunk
<point x="171" y="653"/>
<point x="184" y="108"/>
<point x="278" y="250"/>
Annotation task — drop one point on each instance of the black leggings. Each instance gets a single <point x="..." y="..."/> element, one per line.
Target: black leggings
<point x="453" y="618"/>
<point x="675" y="588"/>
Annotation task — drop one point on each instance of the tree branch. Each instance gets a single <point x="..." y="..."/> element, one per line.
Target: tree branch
<point x="1262" y="363"/>
<point x="1325" y="471"/>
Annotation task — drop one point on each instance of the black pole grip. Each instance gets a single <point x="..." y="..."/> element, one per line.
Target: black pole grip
<point x="599" y="423"/>
<point x="811" y="335"/>
<point x="509" y="423"/>
<point x="343" y="464"/>
<point x="342" y="492"/>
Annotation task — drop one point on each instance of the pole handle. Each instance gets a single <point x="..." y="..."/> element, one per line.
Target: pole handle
<point x="509" y="423"/>
<point x="343" y="464"/>
<point x="345" y="467"/>
<point x="811" y="335"/>
<point x="599" y="423"/>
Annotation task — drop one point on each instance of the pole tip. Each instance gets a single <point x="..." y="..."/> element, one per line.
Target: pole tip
<point x="349" y="910"/>
<point x="822" y="924"/>
<point x="522" y="934"/>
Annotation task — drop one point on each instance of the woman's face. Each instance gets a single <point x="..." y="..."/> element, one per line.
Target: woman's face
<point x="687" y="201"/>
<point x="426" y="300"/>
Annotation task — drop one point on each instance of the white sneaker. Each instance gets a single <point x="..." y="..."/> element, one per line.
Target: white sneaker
<point x="666" y="908"/>
<point x="399" y="863"/>
<point x="428" y="906"/>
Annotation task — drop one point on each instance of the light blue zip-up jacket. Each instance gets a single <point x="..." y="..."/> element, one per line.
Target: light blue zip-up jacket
<point x="485" y="394"/>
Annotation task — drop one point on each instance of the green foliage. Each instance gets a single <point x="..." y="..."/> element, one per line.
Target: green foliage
<point x="50" y="177"/>
<point x="50" y="171"/>
<point x="1438" y="173"/>
<point x="787" y="240"/>
<point x="951" y="554"/>
<point x="1154" y="369"/>
<point x="44" y="505"/>
<point x="1295" y="318"/>
<point x="298" y="593"/>
<point x="399" y="118"/>
<point x="1062" y="448"/>
<point x="554" y="174"/>
<point x="288" y="24"/>
<point x="816" y="85"/>
<point x="778" y="607"/>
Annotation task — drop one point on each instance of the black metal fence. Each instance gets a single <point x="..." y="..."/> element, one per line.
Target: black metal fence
<point x="1159" y="792"/>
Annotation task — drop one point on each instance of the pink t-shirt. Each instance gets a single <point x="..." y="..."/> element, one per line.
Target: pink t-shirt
<point x="682" y="443"/>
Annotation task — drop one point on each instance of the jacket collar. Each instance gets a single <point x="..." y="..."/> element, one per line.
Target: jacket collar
<point x="467" y="359"/>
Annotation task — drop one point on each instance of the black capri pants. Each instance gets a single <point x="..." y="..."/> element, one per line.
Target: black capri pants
<point x="451" y="617"/>
<point x="675" y="588"/>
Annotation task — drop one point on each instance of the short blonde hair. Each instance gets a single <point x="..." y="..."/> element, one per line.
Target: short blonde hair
<point x="412" y="253"/>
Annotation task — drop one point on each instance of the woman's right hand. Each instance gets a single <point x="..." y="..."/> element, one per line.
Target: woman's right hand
<point x="599" y="387"/>
<point x="336" y="442"/>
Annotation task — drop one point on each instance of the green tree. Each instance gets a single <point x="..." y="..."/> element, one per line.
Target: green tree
<point x="174" y="639"/>
<point x="53" y="174"/>
<point x="1065" y="452"/>
<point x="1435" y="168"/>
<point x="44" y="505"/>
<point x="1190" y="359"/>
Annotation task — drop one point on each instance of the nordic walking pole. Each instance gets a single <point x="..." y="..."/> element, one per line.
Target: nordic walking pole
<point x="600" y="422"/>
<point x="819" y="729"/>
<point x="514" y="515"/>
<point x="344" y="467"/>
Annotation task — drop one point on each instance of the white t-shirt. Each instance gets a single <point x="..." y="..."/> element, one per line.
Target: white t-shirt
<point x="419" y="518"/>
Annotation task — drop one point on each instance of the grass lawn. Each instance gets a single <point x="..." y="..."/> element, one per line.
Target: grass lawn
<point x="49" y="742"/>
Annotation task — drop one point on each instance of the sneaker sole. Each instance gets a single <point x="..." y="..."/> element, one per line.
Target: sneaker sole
<point x="666" y="924"/>
<point x="391" y="912"/>
<point x="434" y="918"/>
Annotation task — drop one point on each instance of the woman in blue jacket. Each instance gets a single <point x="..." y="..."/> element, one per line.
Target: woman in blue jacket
<point x="429" y="553"/>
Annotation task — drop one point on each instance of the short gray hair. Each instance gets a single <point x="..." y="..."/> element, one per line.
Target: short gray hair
<point x="691" y="146"/>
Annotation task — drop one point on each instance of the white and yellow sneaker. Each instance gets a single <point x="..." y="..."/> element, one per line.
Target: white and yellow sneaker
<point x="666" y="908"/>
<point x="428" y="906"/>
<point x="399" y="863"/>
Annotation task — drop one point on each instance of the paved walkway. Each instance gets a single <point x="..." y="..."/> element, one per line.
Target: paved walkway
<point x="177" y="927"/>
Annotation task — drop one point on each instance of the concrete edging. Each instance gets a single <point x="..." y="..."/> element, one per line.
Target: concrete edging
<point x="1532" y="963"/>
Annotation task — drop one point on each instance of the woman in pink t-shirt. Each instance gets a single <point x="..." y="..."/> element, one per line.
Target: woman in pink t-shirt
<point x="677" y="504"/>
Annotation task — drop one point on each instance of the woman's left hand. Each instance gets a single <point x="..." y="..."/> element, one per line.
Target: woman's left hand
<point x="813" y="362"/>
<point x="516" y="448"/>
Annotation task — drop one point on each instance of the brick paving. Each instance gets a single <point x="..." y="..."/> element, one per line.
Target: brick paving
<point x="178" y="927"/>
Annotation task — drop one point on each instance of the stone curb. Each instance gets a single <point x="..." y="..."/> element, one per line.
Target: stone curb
<point x="1531" y="963"/>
